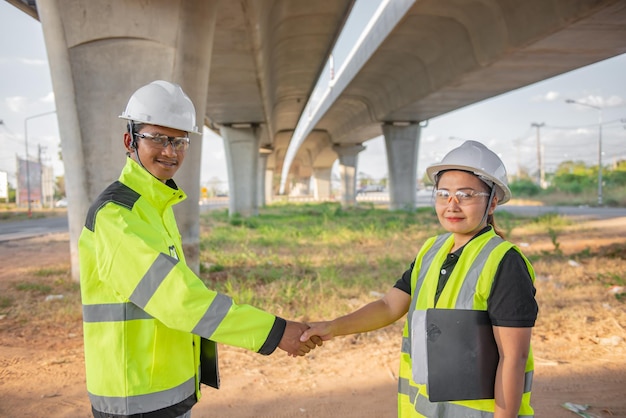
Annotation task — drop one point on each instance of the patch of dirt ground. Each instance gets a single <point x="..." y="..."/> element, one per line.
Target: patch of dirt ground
<point x="579" y="342"/>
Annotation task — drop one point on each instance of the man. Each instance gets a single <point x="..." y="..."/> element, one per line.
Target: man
<point x="144" y="309"/>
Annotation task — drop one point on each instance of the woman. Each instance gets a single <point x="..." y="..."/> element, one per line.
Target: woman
<point x="469" y="183"/>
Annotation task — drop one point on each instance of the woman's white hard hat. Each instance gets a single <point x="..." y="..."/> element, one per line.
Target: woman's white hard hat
<point x="474" y="157"/>
<point x="164" y="104"/>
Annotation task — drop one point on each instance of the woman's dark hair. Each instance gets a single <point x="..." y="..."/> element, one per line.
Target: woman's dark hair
<point x="492" y="222"/>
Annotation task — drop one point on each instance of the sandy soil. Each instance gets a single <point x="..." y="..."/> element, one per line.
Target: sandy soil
<point x="579" y="344"/>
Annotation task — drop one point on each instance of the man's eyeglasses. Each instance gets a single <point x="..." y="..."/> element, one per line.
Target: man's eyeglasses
<point x="179" y="143"/>
<point x="444" y="197"/>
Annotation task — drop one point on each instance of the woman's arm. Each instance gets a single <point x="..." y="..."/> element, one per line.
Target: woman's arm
<point x="374" y="315"/>
<point x="513" y="347"/>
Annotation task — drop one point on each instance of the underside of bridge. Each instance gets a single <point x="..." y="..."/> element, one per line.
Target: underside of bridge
<point x="250" y="67"/>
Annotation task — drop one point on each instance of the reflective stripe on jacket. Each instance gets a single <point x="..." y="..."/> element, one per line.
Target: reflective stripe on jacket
<point x="468" y="287"/>
<point x="144" y="309"/>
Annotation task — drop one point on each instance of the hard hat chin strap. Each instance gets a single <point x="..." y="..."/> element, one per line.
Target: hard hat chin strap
<point x="133" y="143"/>
<point x="491" y="195"/>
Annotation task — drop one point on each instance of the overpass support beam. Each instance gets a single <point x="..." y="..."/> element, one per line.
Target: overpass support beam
<point x="402" y="145"/>
<point x="264" y="186"/>
<point x="242" y="157"/>
<point x="90" y="92"/>
<point x="348" y="163"/>
<point x="322" y="183"/>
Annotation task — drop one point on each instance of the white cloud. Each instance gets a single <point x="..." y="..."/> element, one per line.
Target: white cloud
<point x="614" y="101"/>
<point x="16" y="104"/>
<point x="34" y="62"/>
<point x="48" y="98"/>
<point x="550" y="96"/>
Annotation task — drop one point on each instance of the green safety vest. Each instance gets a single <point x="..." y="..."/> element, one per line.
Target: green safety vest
<point x="144" y="309"/>
<point x="468" y="287"/>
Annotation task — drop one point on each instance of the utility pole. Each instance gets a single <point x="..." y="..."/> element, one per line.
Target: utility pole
<point x="599" y="109"/>
<point x="541" y="175"/>
<point x="26" y="156"/>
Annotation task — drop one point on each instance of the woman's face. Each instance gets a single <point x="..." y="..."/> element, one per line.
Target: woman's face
<point x="462" y="215"/>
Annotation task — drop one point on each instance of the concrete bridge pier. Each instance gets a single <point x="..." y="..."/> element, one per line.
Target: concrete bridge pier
<point x="90" y="95"/>
<point x="322" y="183"/>
<point x="242" y="157"/>
<point x="348" y="162"/>
<point x="264" y="178"/>
<point x="402" y="145"/>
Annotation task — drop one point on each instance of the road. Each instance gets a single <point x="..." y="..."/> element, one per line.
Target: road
<point x="28" y="228"/>
<point x="585" y="212"/>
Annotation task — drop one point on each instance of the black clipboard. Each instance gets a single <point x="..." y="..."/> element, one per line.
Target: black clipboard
<point x="209" y="369"/>
<point x="462" y="355"/>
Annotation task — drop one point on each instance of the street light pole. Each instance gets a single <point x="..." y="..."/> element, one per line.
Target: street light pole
<point x="541" y="177"/>
<point x="26" y="119"/>
<point x="599" y="109"/>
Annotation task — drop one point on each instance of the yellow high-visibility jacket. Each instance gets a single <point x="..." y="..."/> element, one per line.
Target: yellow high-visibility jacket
<point x="144" y="310"/>
<point x="468" y="287"/>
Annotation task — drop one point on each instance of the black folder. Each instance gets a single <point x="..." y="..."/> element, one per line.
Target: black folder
<point x="209" y="370"/>
<point x="462" y="355"/>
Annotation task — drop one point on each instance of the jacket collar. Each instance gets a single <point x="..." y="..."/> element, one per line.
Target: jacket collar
<point x="149" y="187"/>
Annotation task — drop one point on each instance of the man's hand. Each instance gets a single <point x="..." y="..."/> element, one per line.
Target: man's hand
<point x="292" y="343"/>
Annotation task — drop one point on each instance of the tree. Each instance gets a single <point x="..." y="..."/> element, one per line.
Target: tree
<point x="574" y="177"/>
<point x="524" y="187"/>
<point x="59" y="187"/>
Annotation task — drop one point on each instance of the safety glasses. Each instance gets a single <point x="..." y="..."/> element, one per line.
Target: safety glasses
<point x="179" y="143"/>
<point x="444" y="197"/>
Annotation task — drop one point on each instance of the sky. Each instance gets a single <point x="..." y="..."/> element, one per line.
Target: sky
<point x="504" y="123"/>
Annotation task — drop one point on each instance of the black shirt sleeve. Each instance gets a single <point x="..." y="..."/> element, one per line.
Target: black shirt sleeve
<point x="512" y="300"/>
<point x="404" y="283"/>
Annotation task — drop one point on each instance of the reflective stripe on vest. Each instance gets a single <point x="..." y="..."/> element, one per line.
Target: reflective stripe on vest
<point x="427" y="259"/>
<point x="465" y="298"/>
<point x="143" y="403"/>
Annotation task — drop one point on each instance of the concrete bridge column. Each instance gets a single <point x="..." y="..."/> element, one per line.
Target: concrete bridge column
<point x="348" y="162"/>
<point x="242" y="156"/>
<point x="76" y="187"/>
<point x="402" y="144"/>
<point x="90" y="95"/>
<point x="269" y="185"/>
<point x="322" y="182"/>
<point x="264" y="173"/>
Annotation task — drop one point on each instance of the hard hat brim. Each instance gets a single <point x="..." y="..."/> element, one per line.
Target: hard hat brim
<point x="504" y="193"/>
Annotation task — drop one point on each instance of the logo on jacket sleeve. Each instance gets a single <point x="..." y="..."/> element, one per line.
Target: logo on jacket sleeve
<point x="173" y="252"/>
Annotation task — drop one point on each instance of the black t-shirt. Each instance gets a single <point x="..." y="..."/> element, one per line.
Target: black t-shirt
<point x="511" y="302"/>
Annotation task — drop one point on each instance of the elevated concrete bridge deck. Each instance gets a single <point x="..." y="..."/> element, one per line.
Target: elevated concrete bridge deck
<point x="250" y="67"/>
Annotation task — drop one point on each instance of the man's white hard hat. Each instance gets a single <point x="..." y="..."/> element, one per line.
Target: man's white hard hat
<point x="162" y="103"/>
<point x="474" y="157"/>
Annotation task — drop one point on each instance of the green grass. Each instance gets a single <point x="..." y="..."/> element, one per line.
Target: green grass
<point x="33" y="287"/>
<point x="301" y="258"/>
<point x="313" y="261"/>
<point x="5" y="302"/>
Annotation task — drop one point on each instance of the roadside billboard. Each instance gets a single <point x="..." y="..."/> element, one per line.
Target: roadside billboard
<point x="32" y="182"/>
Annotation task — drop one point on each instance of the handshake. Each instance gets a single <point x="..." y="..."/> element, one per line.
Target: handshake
<point x="299" y="338"/>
